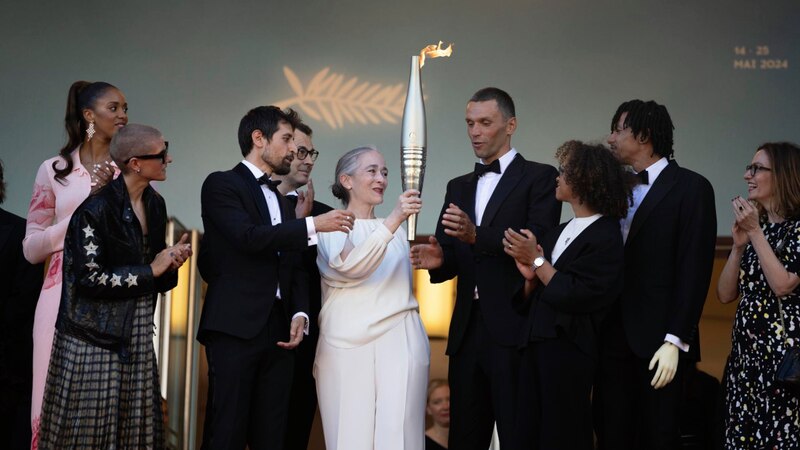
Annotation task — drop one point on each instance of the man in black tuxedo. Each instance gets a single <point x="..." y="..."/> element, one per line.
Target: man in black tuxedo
<point x="505" y="191"/>
<point x="20" y="283"/>
<point x="254" y="313"/>
<point x="650" y="337"/>
<point x="303" y="399"/>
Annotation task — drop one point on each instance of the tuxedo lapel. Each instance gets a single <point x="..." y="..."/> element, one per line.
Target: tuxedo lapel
<point x="508" y="180"/>
<point x="663" y="184"/>
<point x="255" y="190"/>
<point x="285" y="206"/>
<point x="469" y="187"/>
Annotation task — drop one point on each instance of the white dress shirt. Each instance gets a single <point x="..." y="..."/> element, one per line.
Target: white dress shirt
<point x="639" y="192"/>
<point x="274" y="207"/>
<point x="488" y="182"/>
<point x="486" y="185"/>
<point x="571" y="232"/>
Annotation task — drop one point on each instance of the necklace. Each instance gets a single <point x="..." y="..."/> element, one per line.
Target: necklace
<point x="570" y="231"/>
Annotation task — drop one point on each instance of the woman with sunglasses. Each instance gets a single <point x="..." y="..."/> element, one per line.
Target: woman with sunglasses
<point x="102" y="387"/>
<point x="762" y="270"/>
<point x="95" y="111"/>
<point x="573" y="274"/>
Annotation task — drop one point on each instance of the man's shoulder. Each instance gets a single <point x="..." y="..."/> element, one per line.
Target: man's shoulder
<point x="320" y="208"/>
<point x="518" y="164"/>
<point x="462" y="178"/>
<point x="519" y="159"/>
<point x="691" y="179"/>
<point x="223" y="177"/>
<point x="9" y="218"/>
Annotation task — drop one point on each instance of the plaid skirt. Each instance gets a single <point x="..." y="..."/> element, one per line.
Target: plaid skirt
<point x="93" y="400"/>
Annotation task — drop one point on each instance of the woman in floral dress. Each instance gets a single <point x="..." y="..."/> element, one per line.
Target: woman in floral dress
<point x="763" y="266"/>
<point x="95" y="111"/>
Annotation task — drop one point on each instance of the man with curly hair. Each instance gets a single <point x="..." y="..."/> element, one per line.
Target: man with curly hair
<point x="650" y="336"/>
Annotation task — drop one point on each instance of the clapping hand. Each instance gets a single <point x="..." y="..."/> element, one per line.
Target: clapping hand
<point x="173" y="257"/>
<point x="305" y="201"/>
<point x="745" y="221"/>
<point x="523" y="246"/>
<point x="101" y="174"/>
<point x="458" y="224"/>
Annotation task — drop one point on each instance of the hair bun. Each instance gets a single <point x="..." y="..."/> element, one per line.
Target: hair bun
<point x="339" y="191"/>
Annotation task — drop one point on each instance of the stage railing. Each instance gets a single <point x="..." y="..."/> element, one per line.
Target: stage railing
<point x="176" y="316"/>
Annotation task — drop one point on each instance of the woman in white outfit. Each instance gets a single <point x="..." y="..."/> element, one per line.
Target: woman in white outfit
<point x="372" y="358"/>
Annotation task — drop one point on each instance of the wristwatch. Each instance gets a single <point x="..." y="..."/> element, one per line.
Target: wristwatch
<point x="538" y="262"/>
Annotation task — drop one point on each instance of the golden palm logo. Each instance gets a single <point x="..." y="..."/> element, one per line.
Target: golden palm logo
<point x="335" y="99"/>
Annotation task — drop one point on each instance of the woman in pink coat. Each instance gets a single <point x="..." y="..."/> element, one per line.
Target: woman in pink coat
<point x="95" y="111"/>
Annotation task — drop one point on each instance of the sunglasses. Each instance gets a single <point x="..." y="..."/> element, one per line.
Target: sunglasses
<point x="162" y="155"/>
<point x="302" y="152"/>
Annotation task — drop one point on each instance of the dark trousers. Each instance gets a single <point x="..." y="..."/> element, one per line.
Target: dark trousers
<point x="303" y="403"/>
<point x="483" y="389"/>
<point x="15" y="416"/>
<point x="248" y="387"/>
<point x="629" y="413"/>
<point x="555" y="409"/>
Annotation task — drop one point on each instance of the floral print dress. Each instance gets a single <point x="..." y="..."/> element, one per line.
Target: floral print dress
<point x="759" y="414"/>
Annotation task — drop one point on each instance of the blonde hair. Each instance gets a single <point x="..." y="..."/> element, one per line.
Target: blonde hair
<point x="433" y="385"/>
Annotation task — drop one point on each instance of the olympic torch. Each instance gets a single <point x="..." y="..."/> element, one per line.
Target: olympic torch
<point x="414" y="142"/>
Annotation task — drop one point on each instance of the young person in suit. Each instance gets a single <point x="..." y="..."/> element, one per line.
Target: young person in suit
<point x="571" y="280"/>
<point x="505" y="191"/>
<point x="650" y="336"/>
<point x="303" y="399"/>
<point x="256" y="305"/>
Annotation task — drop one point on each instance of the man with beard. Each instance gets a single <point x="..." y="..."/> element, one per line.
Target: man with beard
<point x="255" y="309"/>
<point x="303" y="403"/>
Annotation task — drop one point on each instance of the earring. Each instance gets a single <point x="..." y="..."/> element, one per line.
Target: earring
<point x="138" y="170"/>
<point x="90" y="131"/>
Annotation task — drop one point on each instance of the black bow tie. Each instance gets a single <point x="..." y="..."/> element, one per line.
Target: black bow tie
<point x="481" y="169"/>
<point x="642" y="177"/>
<point x="272" y="185"/>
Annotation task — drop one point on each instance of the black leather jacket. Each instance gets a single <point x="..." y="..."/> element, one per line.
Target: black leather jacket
<point x="105" y="271"/>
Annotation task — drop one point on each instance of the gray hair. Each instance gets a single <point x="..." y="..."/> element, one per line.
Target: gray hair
<point x="347" y="165"/>
<point x="130" y="141"/>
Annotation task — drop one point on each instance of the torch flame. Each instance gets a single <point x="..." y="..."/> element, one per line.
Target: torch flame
<point x="434" y="51"/>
